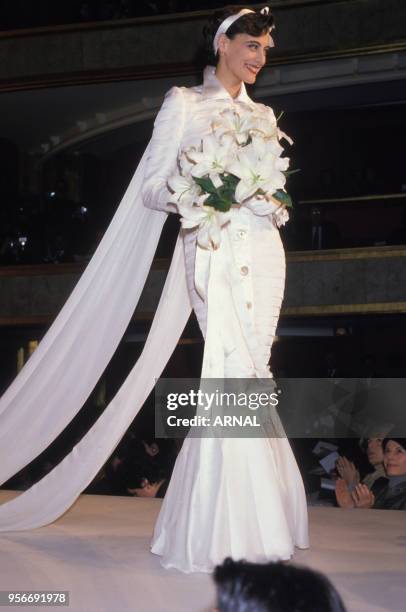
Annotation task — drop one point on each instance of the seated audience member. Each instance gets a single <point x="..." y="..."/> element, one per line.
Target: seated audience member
<point x="156" y="488"/>
<point x="149" y="481"/>
<point x="273" y="587"/>
<point x="149" y="472"/>
<point x="386" y="493"/>
<point x="348" y="472"/>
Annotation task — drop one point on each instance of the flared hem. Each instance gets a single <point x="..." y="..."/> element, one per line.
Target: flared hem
<point x="195" y="569"/>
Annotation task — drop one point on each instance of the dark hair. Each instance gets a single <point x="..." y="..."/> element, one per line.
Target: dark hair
<point x="401" y="441"/>
<point x="273" y="587"/>
<point x="363" y="443"/>
<point x="254" y="24"/>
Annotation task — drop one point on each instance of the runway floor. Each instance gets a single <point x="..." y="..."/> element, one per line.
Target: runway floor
<point x="99" y="552"/>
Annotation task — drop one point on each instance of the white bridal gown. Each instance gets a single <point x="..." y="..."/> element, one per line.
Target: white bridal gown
<point x="242" y="498"/>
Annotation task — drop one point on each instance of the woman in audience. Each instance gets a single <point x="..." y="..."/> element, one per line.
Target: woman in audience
<point x="348" y="472"/>
<point x="386" y="493"/>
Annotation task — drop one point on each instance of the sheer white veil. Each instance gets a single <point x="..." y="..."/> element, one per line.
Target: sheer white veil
<point x="70" y="359"/>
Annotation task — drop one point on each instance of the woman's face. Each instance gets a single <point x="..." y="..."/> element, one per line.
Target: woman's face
<point x="243" y="56"/>
<point x="375" y="451"/>
<point x="394" y="459"/>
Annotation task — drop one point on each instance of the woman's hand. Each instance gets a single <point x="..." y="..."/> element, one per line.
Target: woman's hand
<point x="265" y="204"/>
<point x="347" y="471"/>
<point x="279" y="206"/>
<point x="343" y="495"/>
<point x="147" y="489"/>
<point x="280" y="213"/>
<point x="362" y="497"/>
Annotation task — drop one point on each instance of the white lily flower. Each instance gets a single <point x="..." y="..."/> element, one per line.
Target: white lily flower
<point x="263" y="146"/>
<point x="285" y="136"/>
<point x="209" y="220"/>
<point x="185" y="162"/>
<point x="281" y="218"/>
<point x="265" y="125"/>
<point x="185" y="189"/>
<point x="232" y="125"/>
<point x="215" y="179"/>
<point x="264" y="128"/>
<point x="213" y="158"/>
<point x="258" y="171"/>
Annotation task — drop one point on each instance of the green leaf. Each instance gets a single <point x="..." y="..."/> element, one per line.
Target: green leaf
<point x="283" y="197"/>
<point x="220" y="198"/>
<point x="205" y="183"/>
<point x="218" y="203"/>
<point x="289" y="172"/>
<point x="229" y="180"/>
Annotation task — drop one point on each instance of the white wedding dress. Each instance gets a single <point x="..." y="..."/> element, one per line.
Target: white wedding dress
<point x="227" y="497"/>
<point x="235" y="497"/>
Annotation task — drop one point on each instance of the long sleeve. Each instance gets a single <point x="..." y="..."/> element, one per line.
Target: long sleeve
<point x="163" y="151"/>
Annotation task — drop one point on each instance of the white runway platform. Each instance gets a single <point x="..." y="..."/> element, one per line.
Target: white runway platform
<point x="99" y="551"/>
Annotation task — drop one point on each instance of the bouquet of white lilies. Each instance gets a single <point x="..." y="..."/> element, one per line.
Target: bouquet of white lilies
<point x="238" y="163"/>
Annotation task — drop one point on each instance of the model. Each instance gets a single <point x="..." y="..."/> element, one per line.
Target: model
<point x="228" y="497"/>
<point x="242" y="498"/>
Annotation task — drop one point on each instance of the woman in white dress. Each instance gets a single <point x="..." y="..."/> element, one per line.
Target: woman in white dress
<point x="242" y="498"/>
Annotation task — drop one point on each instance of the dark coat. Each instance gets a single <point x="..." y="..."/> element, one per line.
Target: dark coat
<point x="389" y="498"/>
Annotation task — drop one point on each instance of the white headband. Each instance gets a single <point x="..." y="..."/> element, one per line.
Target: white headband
<point x="224" y="25"/>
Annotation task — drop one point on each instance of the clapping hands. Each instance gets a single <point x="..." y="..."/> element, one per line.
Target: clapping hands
<point x="347" y="471"/>
<point x="359" y="497"/>
<point x="362" y="497"/>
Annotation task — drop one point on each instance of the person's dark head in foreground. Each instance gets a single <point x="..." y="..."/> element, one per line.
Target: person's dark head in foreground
<point x="273" y="587"/>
